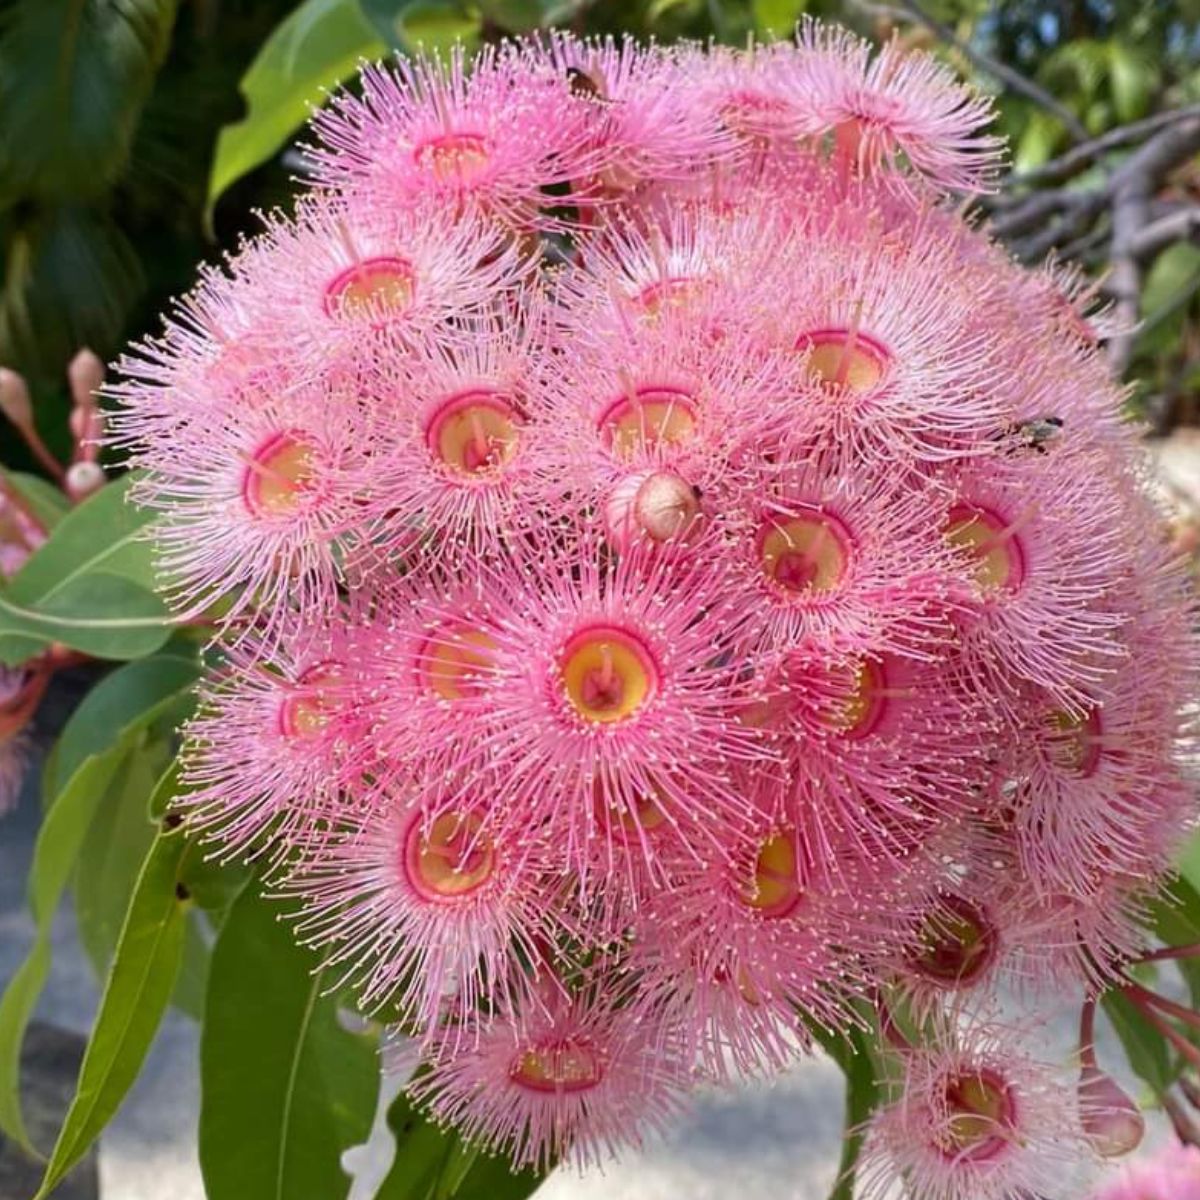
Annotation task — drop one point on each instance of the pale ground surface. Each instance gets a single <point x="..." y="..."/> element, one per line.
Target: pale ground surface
<point x="778" y="1140"/>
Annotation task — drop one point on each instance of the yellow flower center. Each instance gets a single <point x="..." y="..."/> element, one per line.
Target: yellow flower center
<point x="859" y="713"/>
<point x="567" y="1065"/>
<point x="453" y="157"/>
<point x="277" y="477"/>
<point x="1075" y="741"/>
<point x="607" y="674"/>
<point x="375" y="287"/>
<point x="990" y="546"/>
<point x="843" y="359"/>
<point x="774" y="887"/>
<point x="451" y="859"/>
<point x="979" y="1116"/>
<point x="475" y="435"/>
<point x="956" y="943"/>
<point x="308" y="710"/>
<point x="649" y="419"/>
<point x="804" y="556"/>
<point x="454" y="660"/>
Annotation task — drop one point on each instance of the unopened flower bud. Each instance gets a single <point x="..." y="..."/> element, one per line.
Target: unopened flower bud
<point x="84" y="478"/>
<point x="655" y="505"/>
<point x="14" y="399"/>
<point x="1111" y="1121"/>
<point x="85" y="374"/>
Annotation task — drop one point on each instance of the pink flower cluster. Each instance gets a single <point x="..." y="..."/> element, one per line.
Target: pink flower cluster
<point x="678" y="583"/>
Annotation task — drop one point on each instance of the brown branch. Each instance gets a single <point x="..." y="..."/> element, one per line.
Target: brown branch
<point x="1179" y="226"/>
<point x="1013" y="80"/>
<point x="1059" y="169"/>
<point x="1131" y="187"/>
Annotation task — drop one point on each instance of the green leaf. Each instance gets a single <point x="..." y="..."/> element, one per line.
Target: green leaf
<point x="45" y="501"/>
<point x="778" y="17"/>
<point x="1038" y="141"/>
<point x="436" y="25"/>
<point x="138" y="990"/>
<point x="1132" y="79"/>
<point x="63" y="830"/>
<point x="285" y="1090"/>
<point x="1173" y="273"/>
<point x="432" y="1163"/>
<point x="1176" y="915"/>
<point x="106" y="616"/>
<point x="74" y="75"/>
<point x="106" y="533"/>
<point x="1144" y="1046"/>
<point x="113" y="851"/>
<point x="513" y="16"/>
<point x="123" y="702"/>
<point x="317" y="46"/>
<point x="853" y="1054"/>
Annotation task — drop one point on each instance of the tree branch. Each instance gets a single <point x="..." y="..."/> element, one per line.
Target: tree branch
<point x="1131" y="187"/>
<point x="1011" y="79"/>
<point x="1059" y="169"/>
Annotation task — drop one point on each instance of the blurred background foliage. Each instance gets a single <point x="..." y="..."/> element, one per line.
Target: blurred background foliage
<point x="138" y="137"/>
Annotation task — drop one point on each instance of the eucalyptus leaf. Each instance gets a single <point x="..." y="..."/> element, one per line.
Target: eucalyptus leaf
<point x="320" y="44"/>
<point x="106" y="533"/>
<point x="63" y="830"/>
<point x="105" y="616"/>
<point x="45" y="501"/>
<point x="853" y="1054"/>
<point x="139" y="987"/>
<point x="1144" y="1046"/>
<point x="113" y="851"/>
<point x="127" y="699"/>
<point x="434" y="1163"/>
<point x="285" y="1090"/>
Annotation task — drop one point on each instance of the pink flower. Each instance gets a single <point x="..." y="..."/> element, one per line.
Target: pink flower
<point x="975" y="1120"/>
<point x="567" y="1078"/>
<point x="1172" y="1174"/>
<point x="490" y="140"/>
<point x="895" y="104"/>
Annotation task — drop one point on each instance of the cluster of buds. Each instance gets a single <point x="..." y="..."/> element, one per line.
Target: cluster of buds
<point x="22" y="531"/>
<point x="679" y="586"/>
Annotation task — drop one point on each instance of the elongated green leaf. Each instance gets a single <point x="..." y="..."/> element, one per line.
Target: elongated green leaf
<point x="854" y="1056"/>
<point x="145" y="965"/>
<point x="1144" y="1046"/>
<point x="319" y="45"/>
<point x="85" y="766"/>
<point x="124" y="701"/>
<point x="106" y="533"/>
<point x="44" y="500"/>
<point x="1176" y="915"/>
<point x="113" y="851"/>
<point x="62" y="833"/>
<point x="285" y="1089"/>
<point x="106" y="616"/>
<point x="432" y="1163"/>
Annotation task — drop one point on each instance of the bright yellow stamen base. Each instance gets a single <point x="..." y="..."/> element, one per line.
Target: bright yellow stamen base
<point x="475" y="435"/>
<point x="996" y="561"/>
<point x="843" y="359"/>
<point x="453" y="661"/>
<point x="803" y="555"/>
<point x="379" y="286"/>
<point x="565" y="1067"/>
<point x="454" y="156"/>
<point x="452" y="859"/>
<point x="277" y="477"/>
<point x="606" y="675"/>
<point x="774" y="890"/>
<point x="653" y="418"/>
